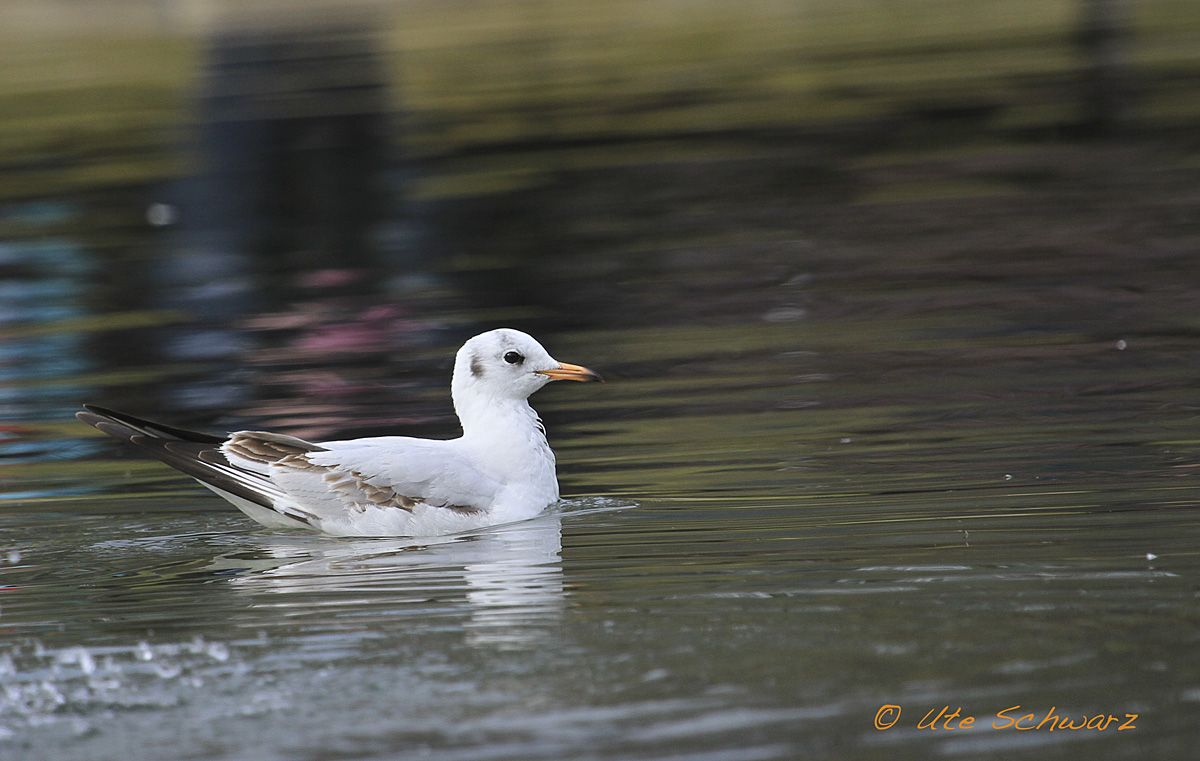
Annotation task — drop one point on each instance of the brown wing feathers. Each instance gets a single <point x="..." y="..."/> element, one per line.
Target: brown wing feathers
<point x="268" y="448"/>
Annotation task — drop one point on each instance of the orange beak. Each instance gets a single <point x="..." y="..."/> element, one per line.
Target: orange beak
<point x="566" y="371"/>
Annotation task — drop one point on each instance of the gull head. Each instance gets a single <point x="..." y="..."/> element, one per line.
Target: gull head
<point x="508" y="364"/>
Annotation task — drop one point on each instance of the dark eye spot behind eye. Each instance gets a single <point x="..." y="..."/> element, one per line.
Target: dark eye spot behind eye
<point x="513" y="358"/>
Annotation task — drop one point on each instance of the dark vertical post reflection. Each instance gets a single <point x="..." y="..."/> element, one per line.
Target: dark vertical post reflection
<point x="293" y="131"/>
<point x="1103" y="38"/>
<point x="292" y="139"/>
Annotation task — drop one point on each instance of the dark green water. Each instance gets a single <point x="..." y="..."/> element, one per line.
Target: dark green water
<point x="883" y="427"/>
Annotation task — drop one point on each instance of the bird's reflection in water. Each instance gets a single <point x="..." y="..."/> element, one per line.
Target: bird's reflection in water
<point x="507" y="580"/>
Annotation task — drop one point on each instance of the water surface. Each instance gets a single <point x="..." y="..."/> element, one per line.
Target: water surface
<point x="887" y="423"/>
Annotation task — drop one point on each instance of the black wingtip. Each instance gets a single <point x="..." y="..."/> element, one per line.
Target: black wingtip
<point x="91" y="418"/>
<point x="94" y="414"/>
<point x="97" y="418"/>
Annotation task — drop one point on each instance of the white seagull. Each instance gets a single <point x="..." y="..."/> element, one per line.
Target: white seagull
<point x="500" y="470"/>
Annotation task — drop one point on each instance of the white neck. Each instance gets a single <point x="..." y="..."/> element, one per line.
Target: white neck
<point x="506" y="433"/>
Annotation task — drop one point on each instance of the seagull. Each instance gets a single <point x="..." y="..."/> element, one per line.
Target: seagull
<point x="500" y="470"/>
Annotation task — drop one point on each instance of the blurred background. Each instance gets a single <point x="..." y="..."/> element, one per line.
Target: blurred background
<point x="898" y="300"/>
<point x="275" y="209"/>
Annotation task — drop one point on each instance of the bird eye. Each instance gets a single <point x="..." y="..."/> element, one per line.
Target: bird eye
<point x="513" y="358"/>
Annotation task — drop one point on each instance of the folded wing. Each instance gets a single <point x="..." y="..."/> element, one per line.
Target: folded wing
<point x="375" y="485"/>
<point x="367" y="481"/>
